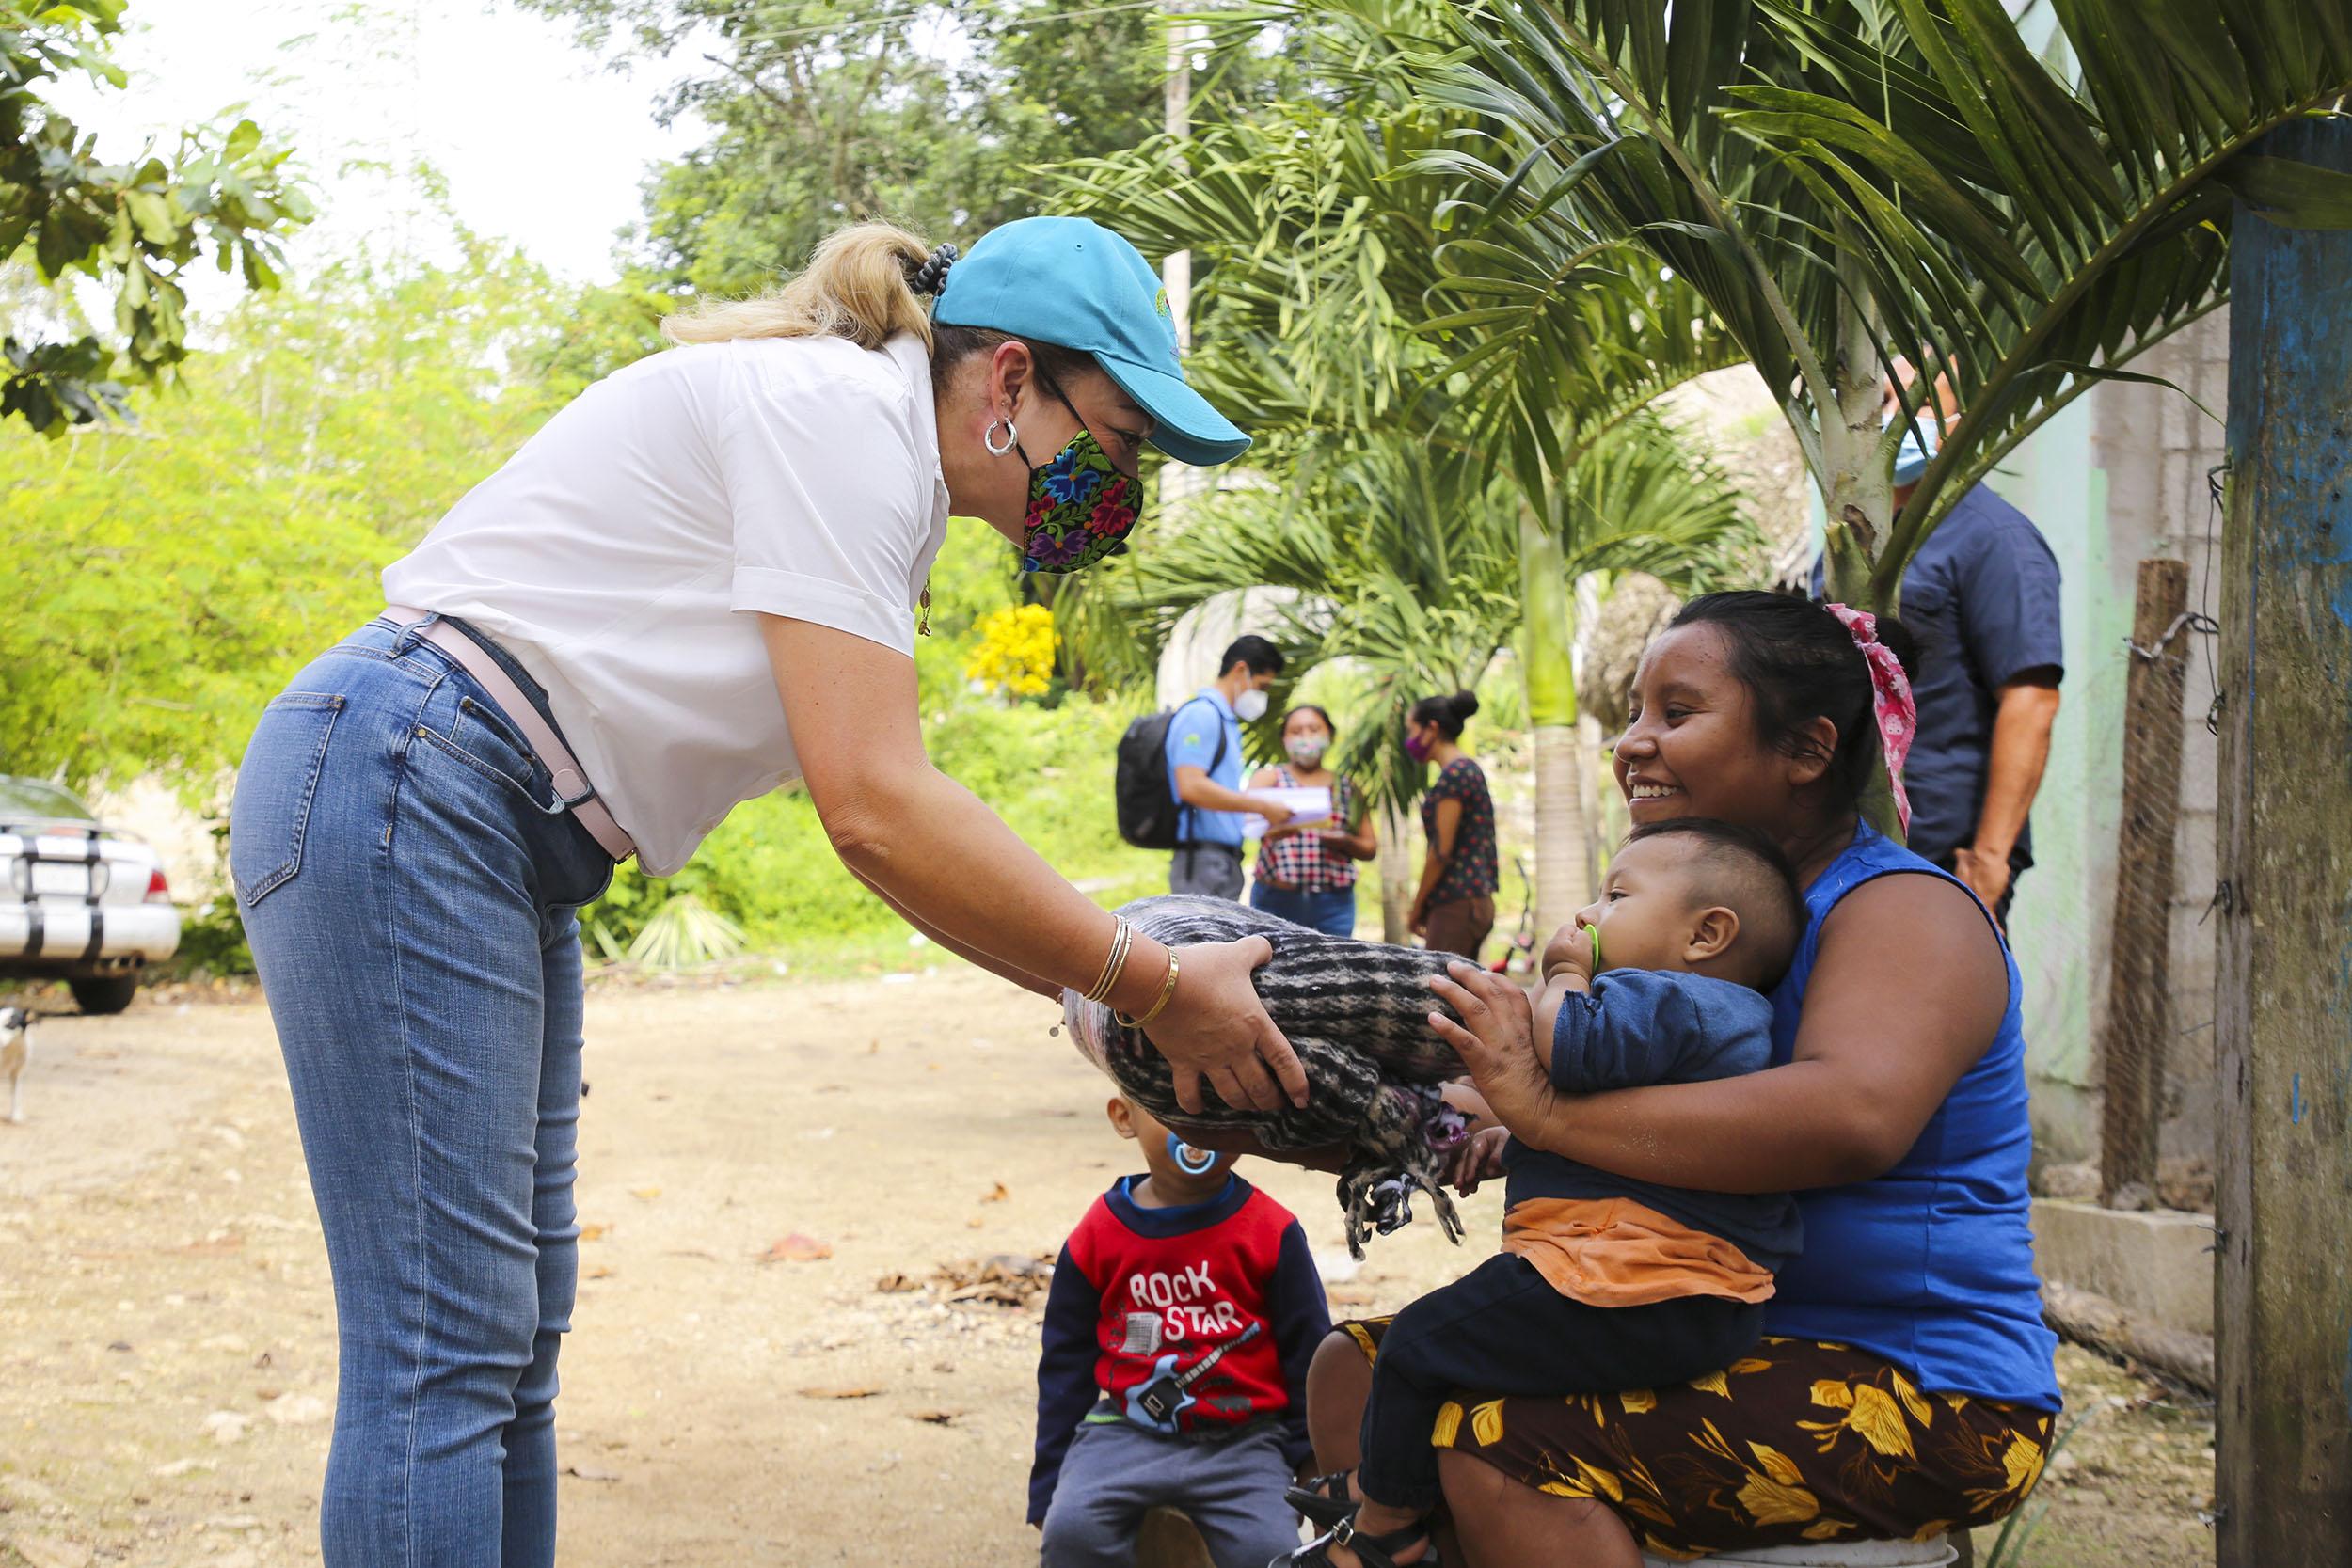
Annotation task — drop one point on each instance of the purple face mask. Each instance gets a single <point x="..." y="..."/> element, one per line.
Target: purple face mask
<point x="1417" y="747"/>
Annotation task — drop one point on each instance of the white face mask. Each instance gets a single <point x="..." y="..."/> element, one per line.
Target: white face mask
<point x="1250" y="706"/>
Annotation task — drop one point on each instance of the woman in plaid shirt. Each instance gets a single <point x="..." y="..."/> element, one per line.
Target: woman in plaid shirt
<point x="1306" y="875"/>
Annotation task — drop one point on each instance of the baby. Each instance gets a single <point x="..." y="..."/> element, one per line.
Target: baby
<point x="1604" y="1284"/>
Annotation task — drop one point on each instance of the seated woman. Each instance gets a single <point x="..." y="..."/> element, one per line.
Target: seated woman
<point x="1905" y="1387"/>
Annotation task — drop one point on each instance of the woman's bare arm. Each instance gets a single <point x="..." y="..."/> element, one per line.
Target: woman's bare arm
<point x="1446" y="821"/>
<point x="1046" y="989"/>
<point x="932" y="847"/>
<point x="1908" y="992"/>
<point x="1357" y="841"/>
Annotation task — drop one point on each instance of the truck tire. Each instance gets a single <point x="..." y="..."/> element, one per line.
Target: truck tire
<point x="105" y="993"/>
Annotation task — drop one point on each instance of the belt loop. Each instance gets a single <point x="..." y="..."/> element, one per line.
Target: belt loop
<point x="413" y="633"/>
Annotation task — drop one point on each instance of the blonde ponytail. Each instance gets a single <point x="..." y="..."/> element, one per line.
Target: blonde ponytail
<point x="856" y="286"/>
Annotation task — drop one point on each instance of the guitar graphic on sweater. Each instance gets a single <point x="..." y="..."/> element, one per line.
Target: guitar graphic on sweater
<point x="1158" y="1399"/>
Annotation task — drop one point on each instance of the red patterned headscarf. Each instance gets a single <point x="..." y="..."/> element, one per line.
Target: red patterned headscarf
<point x="1891" y="701"/>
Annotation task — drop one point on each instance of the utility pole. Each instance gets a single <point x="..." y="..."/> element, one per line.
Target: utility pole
<point x="1179" y="481"/>
<point x="2283" y="1288"/>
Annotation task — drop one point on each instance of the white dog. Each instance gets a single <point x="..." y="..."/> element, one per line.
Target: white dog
<point x="16" y="1045"/>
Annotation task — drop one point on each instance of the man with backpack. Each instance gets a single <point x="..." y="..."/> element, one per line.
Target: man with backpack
<point x="1180" y="775"/>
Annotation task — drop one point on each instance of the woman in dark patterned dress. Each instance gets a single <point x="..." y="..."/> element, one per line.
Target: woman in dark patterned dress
<point x="1453" y="910"/>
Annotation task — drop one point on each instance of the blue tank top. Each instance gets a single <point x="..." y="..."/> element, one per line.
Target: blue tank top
<point x="1931" y="1264"/>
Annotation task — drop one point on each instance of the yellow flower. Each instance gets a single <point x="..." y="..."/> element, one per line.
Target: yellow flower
<point x="1833" y="1393"/>
<point x="1777" y="1464"/>
<point x="2022" y="1462"/>
<point x="1713" y="1383"/>
<point x="1880" y="1420"/>
<point x="1829" y="1530"/>
<point x="1771" y="1502"/>
<point x="1638" y="1402"/>
<point x="1913" y="1401"/>
<point x="1015" y="654"/>
<point x="1932" y="1529"/>
<point x="1448" y="1426"/>
<point x="1751" y="1364"/>
<point x="1486" y="1423"/>
<point x="1599" y="1480"/>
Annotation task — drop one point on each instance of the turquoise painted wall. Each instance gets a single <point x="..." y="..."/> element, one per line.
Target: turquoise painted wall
<point x="2059" y="925"/>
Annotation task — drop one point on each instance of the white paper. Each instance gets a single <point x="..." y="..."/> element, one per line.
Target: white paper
<point x="1306" y="805"/>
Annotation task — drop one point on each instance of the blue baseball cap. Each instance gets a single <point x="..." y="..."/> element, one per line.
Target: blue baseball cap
<point x="1073" y="282"/>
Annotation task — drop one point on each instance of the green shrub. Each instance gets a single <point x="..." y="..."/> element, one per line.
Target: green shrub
<point x="770" y="870"/>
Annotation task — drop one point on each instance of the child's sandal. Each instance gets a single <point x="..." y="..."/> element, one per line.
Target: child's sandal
<point x="1371" y="1551"/>
<point x="1325" y="1500"/>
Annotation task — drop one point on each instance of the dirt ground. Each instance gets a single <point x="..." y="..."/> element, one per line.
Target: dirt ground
<point x="167" y="1350"/>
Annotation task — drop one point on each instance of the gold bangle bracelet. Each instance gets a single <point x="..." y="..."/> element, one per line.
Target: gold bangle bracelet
<point x="1167" y="994"/>
<point x="1114" y="964"/>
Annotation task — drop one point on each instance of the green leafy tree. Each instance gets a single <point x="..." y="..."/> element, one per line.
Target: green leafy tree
<point x="191" y="563"/>
<point x="133" y="228"/>
<point x="1345" y="303"/>
<point x="932" y="112"/>
<point x="1851" y="182"/>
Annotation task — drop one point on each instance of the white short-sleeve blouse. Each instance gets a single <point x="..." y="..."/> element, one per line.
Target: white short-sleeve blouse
<point x="623" y="553"/>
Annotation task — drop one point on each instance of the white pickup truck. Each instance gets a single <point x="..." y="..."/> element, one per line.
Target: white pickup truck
<point x="79" y="901"/>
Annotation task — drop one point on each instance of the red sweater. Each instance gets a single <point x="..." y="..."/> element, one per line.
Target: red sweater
<point x="1145" y="1295"/>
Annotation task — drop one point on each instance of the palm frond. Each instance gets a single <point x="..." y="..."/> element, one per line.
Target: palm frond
<point x="1842" y="181"/>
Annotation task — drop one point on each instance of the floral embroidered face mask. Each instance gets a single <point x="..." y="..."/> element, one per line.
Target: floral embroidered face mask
<point x="1081" y="507"/>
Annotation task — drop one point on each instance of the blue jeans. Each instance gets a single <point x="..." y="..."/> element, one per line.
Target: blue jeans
<point x="408" y="878"/>
<point x="1332" y="912"/>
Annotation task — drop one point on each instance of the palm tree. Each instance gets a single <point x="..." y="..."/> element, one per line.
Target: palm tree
<point x="1408" y="564"/>
<point x="1848" y="184"/>
<point x="1336" y="303"/>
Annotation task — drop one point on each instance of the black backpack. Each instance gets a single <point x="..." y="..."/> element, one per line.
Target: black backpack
<point x="1149" y="810"/>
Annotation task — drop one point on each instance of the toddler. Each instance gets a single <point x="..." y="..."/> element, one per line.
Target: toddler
<point x="1182" y="1316"/>
<point x="1603" y="1284"/>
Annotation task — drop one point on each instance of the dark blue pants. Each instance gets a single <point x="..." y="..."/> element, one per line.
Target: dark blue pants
<point x="1501" y="1329"/>
<point x="1332" y="912"/>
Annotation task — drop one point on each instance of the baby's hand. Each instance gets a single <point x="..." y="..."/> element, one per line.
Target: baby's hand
<point x="1496" y="1041"/>
<point x="1477" y="1158"/>
<point x="1570" y="952"/>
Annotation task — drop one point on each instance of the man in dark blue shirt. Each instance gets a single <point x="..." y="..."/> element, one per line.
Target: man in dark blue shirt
<point x="1982" y="596"/>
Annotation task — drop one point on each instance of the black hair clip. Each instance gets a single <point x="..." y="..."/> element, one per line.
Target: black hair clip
<point x="931" y="277"/>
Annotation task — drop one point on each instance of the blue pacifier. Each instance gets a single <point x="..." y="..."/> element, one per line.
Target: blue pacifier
<point x="1191" y="1161"/>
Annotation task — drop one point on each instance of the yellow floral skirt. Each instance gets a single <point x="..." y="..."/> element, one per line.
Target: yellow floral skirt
<point x="1800" y="1441"/>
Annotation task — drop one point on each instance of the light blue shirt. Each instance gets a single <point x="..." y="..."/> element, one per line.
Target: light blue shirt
<point x="1192" y="742"/>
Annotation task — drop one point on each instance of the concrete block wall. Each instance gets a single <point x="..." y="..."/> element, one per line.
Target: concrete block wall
<point x="2144" y="493"/>
<point x="2173" y="445"/>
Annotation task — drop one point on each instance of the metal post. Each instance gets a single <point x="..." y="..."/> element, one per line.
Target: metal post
<point x="2284" y="1294"/>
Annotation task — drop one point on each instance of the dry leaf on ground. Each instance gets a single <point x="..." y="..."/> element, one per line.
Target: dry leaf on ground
<point x="796" y="1248"/>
